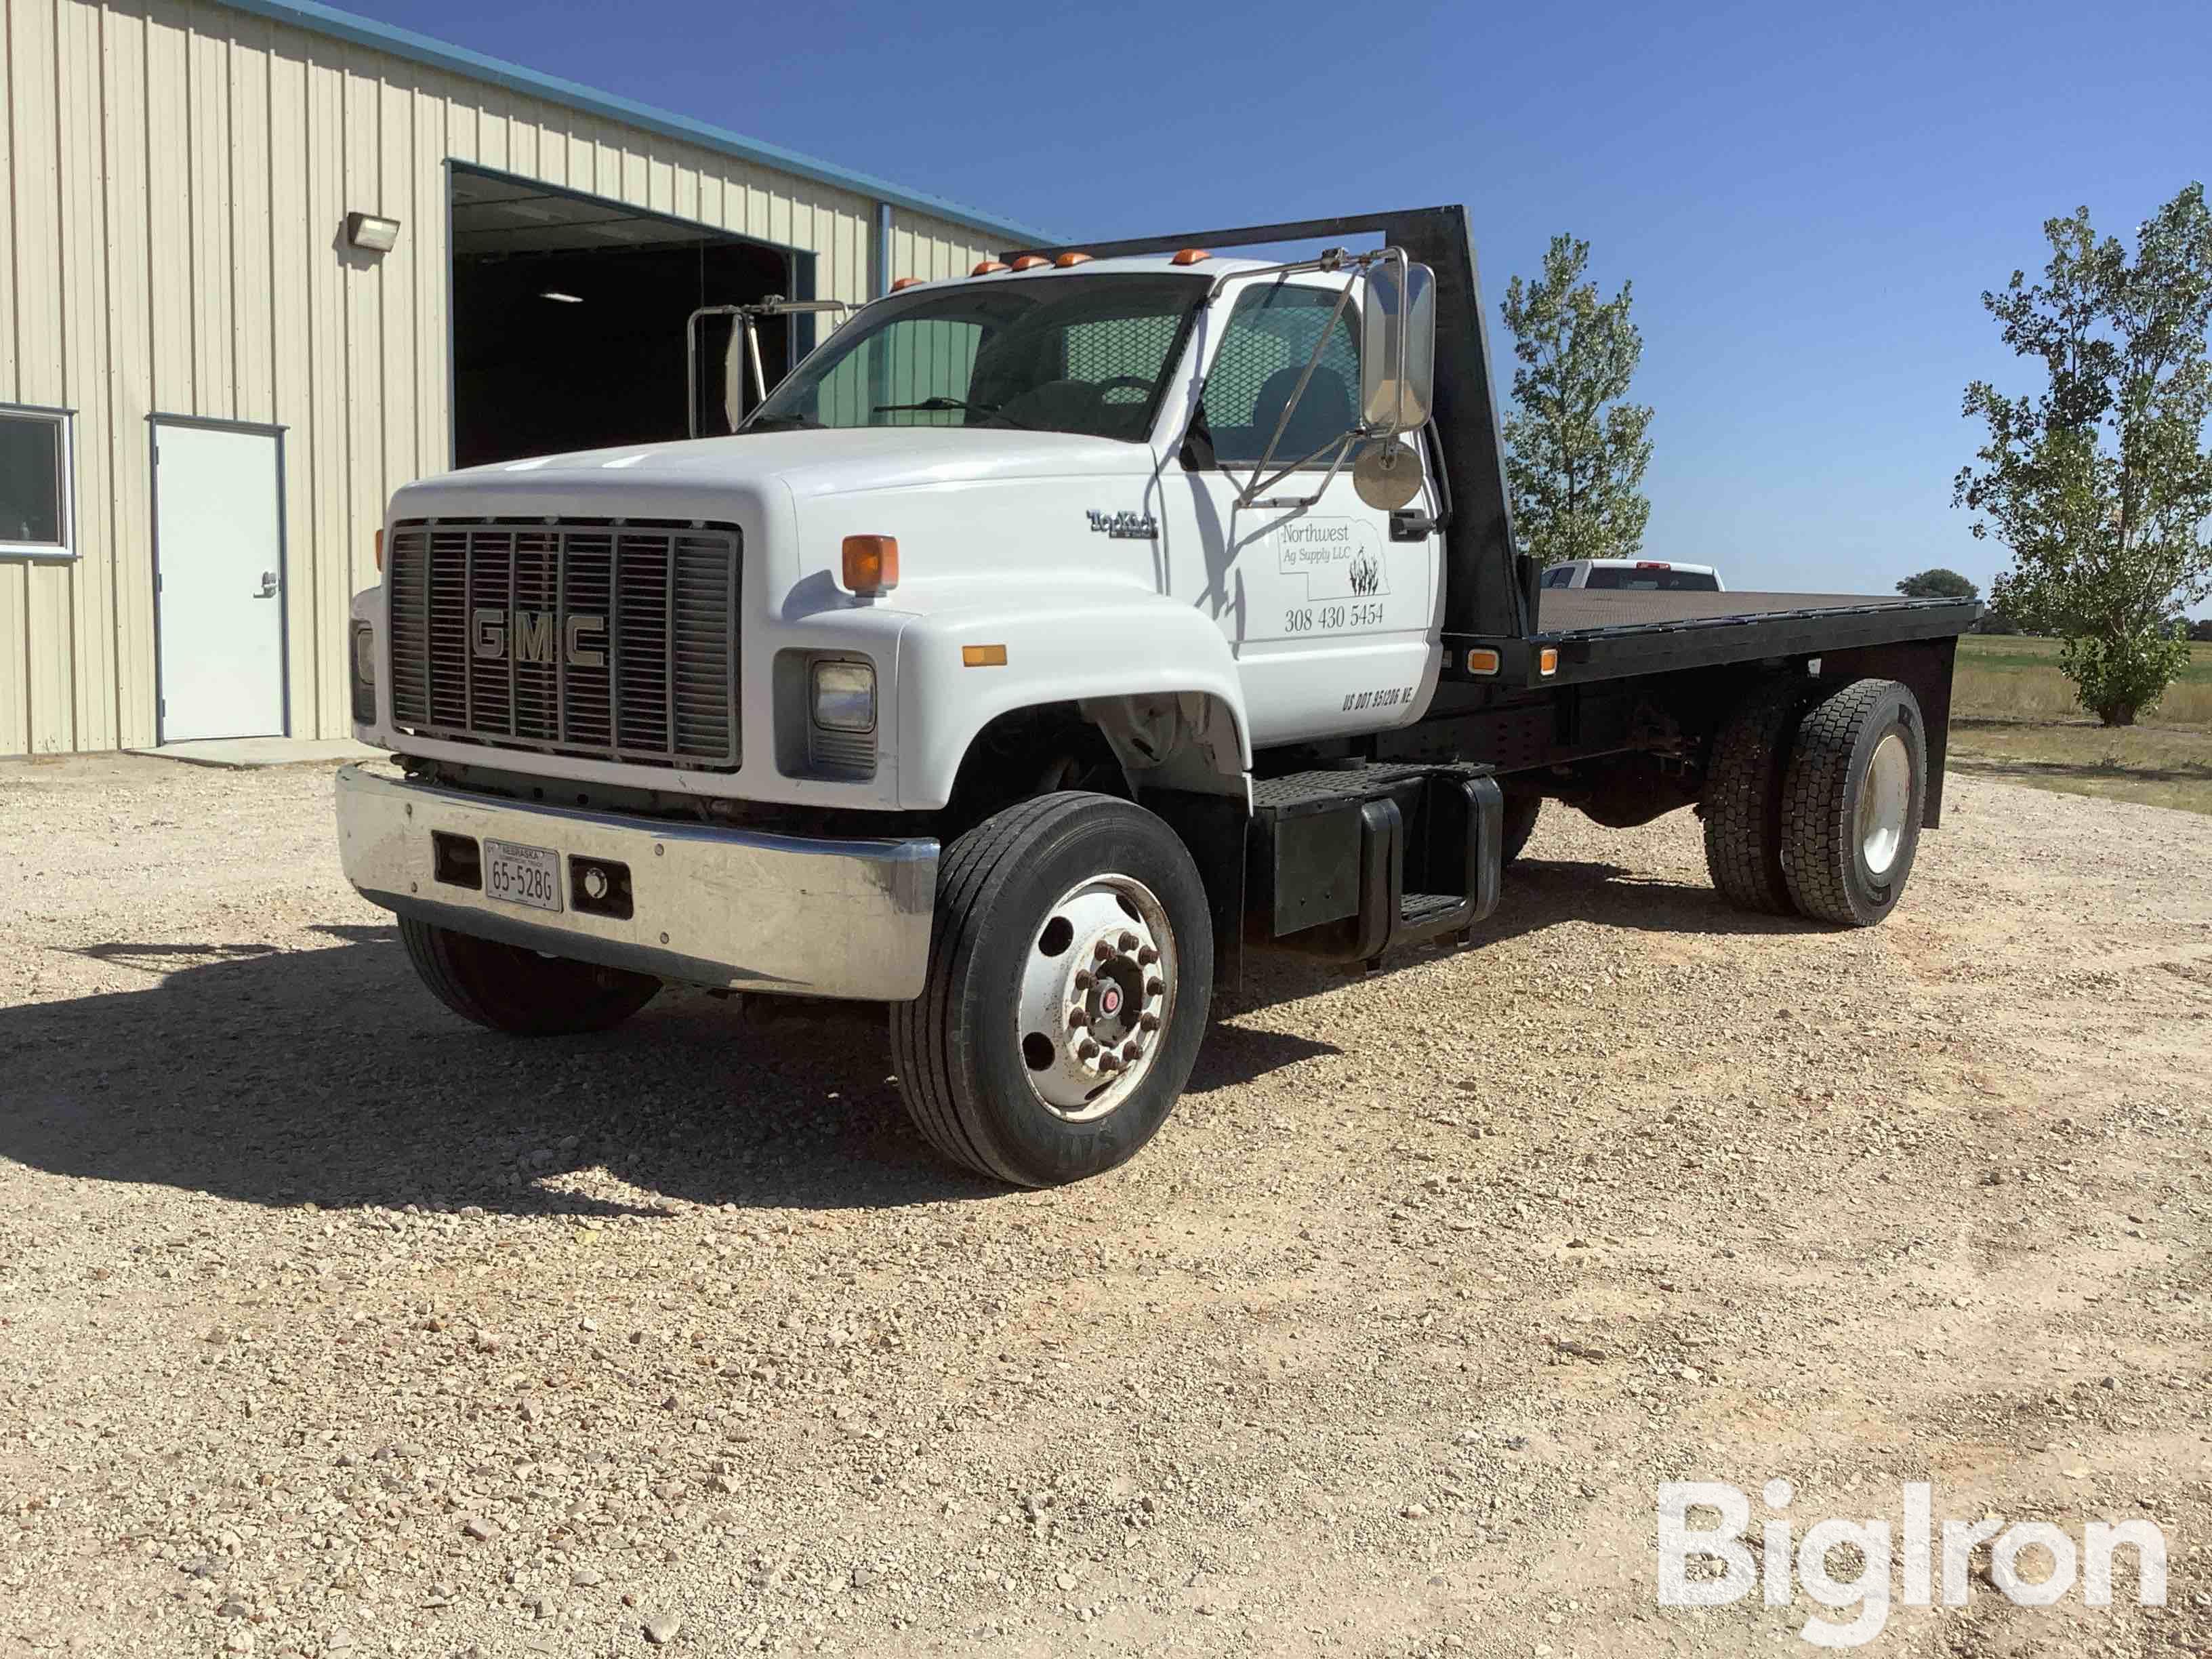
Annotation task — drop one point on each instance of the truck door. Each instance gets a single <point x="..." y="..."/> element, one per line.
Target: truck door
<point x="1334" y="623"/>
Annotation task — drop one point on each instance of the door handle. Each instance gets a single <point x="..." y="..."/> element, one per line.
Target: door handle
<point x="268" y="586"/>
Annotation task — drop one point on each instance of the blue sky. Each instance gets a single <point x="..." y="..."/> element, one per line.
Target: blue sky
<point x="1810" y="199"/>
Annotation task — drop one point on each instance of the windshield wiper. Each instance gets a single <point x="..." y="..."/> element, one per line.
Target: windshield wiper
<point x="940" y="405"/>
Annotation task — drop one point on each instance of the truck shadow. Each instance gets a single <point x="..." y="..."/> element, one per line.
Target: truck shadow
<point x="329" y="1076"/>
<point x="1541" y="893"/>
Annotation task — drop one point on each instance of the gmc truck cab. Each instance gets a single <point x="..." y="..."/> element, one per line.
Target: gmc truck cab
<point x="1044" y="641"/>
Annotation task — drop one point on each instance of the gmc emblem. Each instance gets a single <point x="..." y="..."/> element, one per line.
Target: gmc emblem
<point x="532" y="633"/>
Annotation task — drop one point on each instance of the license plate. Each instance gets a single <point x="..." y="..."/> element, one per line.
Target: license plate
<point x="522" y="875"/>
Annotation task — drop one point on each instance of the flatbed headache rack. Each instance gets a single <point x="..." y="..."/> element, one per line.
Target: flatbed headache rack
<point x="1493" y="601"/>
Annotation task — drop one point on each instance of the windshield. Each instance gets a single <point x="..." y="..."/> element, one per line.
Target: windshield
<point x="1062" y="354"/>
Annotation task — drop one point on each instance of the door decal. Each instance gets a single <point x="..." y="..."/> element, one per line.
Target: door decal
<point x="1340" y="558"/>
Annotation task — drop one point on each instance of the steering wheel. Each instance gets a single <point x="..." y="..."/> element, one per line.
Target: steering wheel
<point x="1133" y="382"/>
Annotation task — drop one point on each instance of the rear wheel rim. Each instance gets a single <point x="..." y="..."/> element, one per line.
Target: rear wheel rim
<point x="1097" y="997"/>
<point x="1885" y="802"/>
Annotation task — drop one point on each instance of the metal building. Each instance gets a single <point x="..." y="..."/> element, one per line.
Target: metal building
<point x="261" y="262"/>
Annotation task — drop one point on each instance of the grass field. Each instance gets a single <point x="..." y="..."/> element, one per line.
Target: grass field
<point x="2014" y="717"/>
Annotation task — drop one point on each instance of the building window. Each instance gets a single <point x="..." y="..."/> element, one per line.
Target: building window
<point x="34" y="483"/>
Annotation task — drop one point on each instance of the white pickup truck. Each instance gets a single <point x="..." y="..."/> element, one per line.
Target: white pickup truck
<point x="1049" y="637"/>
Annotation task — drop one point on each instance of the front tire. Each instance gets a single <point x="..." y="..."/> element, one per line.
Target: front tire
<point x="1071" y="975"/>
<point x="506" y="988"/>
<point x="1851" y="803"/>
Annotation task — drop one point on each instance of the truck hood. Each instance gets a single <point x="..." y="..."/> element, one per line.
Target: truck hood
<point x="826" y="462"/>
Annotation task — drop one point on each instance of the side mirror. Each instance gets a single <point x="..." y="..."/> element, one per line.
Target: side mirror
<point x="1398" y="345"/>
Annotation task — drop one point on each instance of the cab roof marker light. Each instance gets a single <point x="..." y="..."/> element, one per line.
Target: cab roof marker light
<point x="904" y="281"/>
<point x="1069" y="261"/>
<point x="1031" y="262"/>
<point x="984" y="267"/>
<point x="1190" y="255"/>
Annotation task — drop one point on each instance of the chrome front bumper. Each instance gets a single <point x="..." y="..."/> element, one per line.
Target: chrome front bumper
<point x="710" y="906"/>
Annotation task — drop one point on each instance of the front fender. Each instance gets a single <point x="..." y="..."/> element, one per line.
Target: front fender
<point x="1073" y="646"/>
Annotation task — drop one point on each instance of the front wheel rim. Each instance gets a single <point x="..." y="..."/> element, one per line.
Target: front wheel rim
<point x="1885" y="802"/>
<point x="1097" y="997"/>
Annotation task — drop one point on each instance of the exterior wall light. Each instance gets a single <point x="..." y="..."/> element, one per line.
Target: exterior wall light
<point x="367" y="231"/>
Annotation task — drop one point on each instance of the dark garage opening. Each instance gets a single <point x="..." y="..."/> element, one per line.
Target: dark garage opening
<point x="569" y="314"/>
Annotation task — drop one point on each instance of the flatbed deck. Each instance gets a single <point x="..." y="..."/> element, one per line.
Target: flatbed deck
<point x="1608" y="633"/>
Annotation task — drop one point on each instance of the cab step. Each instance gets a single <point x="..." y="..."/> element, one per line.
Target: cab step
<point x="1346" y="863"/>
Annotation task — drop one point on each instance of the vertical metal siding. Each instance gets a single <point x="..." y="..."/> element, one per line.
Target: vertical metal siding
<point x="177" y="175"/>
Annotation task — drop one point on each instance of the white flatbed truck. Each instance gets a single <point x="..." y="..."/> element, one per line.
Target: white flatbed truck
<point x="1047" y="639"/>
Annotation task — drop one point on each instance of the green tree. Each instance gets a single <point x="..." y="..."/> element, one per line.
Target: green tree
<point x="1938" y="584"/>
<point x="2100" y="485"/>
<point x="1574" y="452"/>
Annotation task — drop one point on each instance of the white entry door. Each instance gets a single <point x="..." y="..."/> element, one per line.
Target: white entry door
<point x="219" y="579"/>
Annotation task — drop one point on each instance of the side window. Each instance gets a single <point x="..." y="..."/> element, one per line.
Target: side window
<point x="910" y="363"/>
<point x="1269" y="341"/>
<point x="34" y="483"/>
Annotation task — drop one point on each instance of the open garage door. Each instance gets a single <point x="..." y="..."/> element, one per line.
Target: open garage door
<point x="569" y="314"/>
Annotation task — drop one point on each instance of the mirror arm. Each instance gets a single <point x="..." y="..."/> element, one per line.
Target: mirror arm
<point x="1249" y="495"/>
<point x="773" y="306"/>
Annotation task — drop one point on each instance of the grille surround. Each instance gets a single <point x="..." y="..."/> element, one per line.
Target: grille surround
<point x="469" y="598"/>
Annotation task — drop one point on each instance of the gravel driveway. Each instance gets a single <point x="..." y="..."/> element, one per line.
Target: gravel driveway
<point x="329" y="1325"/>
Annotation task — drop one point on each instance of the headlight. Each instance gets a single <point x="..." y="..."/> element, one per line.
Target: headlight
<point x="844" y="697"/>
<point x="364" y="674"/>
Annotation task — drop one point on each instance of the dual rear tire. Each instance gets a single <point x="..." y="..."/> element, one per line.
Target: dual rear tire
<point x="1812" y="802"/>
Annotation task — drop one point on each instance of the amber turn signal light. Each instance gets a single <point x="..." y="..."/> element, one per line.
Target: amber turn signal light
<point x="1482" y="660"/>
<point x="871" y="564"/>
<point x="982" y="656"/>
<point x="1548" y="661"/>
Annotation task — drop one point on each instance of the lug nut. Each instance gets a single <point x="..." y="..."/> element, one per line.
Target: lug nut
<point x="1132" y="1049"/>
<point x="1108" y="1063"/>
<point x="1087" y="1049"/>
<point x="1149" y="1022"/>
<point x="1155" y="987"/>
<point x="1083" y="979"/>
<point x="1102" y="950"/>
<point x="1077" y="1018"/>
<point x="1147" y="957"/>
<point x="1128" y="942"/>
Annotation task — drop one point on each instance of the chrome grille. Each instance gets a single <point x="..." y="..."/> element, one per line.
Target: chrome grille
<point x="587" y="637"/>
